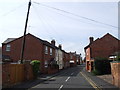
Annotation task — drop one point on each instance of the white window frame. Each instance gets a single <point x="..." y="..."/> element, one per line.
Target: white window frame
<point x="8" y="46"/>
<point x="46" y="49"/>
<point x="51" y="51"/>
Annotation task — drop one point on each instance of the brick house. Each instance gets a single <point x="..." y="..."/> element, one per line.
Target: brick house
<point x="59" y="56"/>
<point x="35" y="49"/>
<point x="78" y="59"/>
<point x="101" y="47"/>
<point x="73" y="58"/>
<point x="66" y="60"/>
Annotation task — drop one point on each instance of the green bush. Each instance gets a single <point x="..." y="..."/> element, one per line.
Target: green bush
<point x="35" y="64"/>
<point x="102" y="65"/>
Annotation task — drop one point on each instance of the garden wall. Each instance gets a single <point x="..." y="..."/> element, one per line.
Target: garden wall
<point x="115" y="70"/>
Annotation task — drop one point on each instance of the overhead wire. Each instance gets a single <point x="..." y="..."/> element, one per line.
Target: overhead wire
<point x="76" y="15"/>
<point x="74" y="18"/>
<point x="70" y="13"/>
<point x="42" y="21"/>
<point x="50" y="27"/>
<point x="12" y="10"/>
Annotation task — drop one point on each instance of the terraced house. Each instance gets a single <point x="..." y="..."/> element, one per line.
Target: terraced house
<point x="60" y="56"/>
<point x="73" y="58"/>
<point x="102" y="47"/>
<point x="35" y="49"/>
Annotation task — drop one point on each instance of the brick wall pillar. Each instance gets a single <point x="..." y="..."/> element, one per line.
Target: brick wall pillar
<point x="115" y="70"/>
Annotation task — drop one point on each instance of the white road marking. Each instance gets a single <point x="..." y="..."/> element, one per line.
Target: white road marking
<point x="53" y="78"/>
<point x="60" y="87"/>
<point x="67" y="79"/>
<point x="72" y="73"/>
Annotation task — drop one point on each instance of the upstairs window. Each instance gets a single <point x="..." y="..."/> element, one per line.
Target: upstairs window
<point x="8" y="47"/>
<point x="71" y="57"/>
<point x="50" y="51"/>
<point x="46" y="50"/>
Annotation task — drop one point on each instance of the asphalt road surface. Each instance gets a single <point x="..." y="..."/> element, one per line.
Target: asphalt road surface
<point x="70" y="78"/>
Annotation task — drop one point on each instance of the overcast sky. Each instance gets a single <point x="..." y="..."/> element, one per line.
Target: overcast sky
<point x="46" y="23"/>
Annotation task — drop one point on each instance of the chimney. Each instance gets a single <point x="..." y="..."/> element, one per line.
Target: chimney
<point x="60" y="46"/>
<point x="53" y="42"/>
<point x="91" y="39"/>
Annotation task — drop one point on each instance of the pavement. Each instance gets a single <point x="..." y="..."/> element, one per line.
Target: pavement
<point x="71" y="78"/>
<point x="100" y="82"/>
<point x="108" y="78"/>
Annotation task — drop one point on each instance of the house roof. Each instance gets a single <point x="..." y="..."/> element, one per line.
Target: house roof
<point x="100" y="39"/>
<point x="43" y="41"/>
<point x="91" y="43"/>
<point x="9" y="40"/>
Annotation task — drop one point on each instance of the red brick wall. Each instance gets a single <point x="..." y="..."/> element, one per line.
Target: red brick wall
<point x="104" y="47"/>
<point x="88" y="54"/>
<point x="33" y="49"/>
<point x="119" y="45"/>
<point x="47" y="57"/>
<point x="115" y="70"/>
<point x="74" y="58"/>
<point x="66" y="60"/>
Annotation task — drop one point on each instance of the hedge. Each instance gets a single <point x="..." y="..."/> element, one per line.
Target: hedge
<point x="102" y="66"/>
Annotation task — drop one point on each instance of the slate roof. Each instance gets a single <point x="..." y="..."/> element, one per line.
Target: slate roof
<point x="8" y="40"/>
<point x="43" y="41"/>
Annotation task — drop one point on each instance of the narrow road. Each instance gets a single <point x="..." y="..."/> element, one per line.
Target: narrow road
<point x="71" y="78"/>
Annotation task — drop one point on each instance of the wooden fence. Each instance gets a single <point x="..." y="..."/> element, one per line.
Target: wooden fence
<point x="15" y="73"/>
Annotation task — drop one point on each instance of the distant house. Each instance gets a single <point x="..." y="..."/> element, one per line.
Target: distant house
<point x="59" y="57"/>
<point x="101" y="47"/>
<point x="78" y="57"/>
<point x="73" y="58"/>
<point x="66" y="60"/>
<point x="35" y="49"/>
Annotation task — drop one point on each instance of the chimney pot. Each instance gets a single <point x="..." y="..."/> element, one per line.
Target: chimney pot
<point x="91" y="39"/>
<point x="60" y="46"/>
<point x="53" y="42"/>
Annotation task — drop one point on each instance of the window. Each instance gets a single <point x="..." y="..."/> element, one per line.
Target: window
<point x="8" y="47"/>
<point x="7" y="59"/>
<point x="46" y="50"/>
<point x="71" y="57"/>
<point x="46" y="64"/>
<point x="50" y="51"/>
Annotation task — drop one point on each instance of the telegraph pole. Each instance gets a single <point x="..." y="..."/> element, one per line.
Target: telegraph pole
<point x="23" y="41"/>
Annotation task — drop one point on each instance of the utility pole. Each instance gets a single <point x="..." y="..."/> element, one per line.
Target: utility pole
<point x="23" y="42"/>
